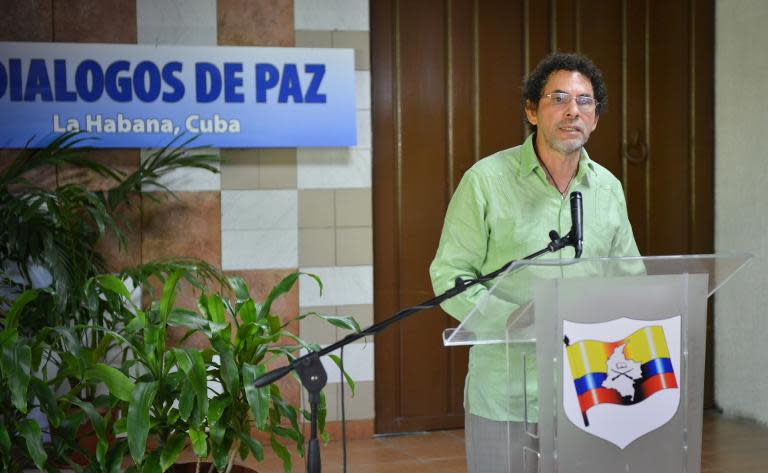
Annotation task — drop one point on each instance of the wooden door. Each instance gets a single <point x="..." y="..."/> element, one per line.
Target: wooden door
<point x="446" y="78"/>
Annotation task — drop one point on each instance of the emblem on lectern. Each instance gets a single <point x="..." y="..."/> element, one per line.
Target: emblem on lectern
<point x="620" y="378"/>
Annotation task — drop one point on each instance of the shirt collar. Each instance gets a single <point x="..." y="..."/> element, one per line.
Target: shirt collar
<point x="529" y="162"/>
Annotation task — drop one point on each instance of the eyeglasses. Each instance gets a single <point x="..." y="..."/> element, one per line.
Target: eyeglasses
<point x="561" y="99"/>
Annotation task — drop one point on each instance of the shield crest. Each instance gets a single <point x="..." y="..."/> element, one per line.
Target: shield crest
<point x="621" y="379"/>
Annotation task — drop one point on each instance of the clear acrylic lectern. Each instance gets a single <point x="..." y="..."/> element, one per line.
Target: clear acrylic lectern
<point x="602" y="360"/>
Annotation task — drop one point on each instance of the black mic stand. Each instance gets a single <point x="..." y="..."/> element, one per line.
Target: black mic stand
<point x="310" y="369"/>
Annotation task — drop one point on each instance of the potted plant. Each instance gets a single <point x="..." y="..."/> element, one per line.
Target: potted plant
<point x="81" y="353"/>
<point x="205" y="399"/>
<point x="48" y="299"/>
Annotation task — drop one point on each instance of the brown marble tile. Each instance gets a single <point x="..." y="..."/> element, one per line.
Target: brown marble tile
<point x="260" y="282"/>
<point x="255" y="22"/>
<point x="94" y="21"/>
<point x="123" y="161"/>
<point x="44" y="177"/>
<point x="117" y="257"/>
<point x="290" y="387"/>
<point x="186" y="297"/>
<point x="186" y="224"/>
<point x="29" y="20"/>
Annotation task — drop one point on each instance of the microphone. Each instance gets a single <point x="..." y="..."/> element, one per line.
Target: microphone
<point x="577" y="224"/>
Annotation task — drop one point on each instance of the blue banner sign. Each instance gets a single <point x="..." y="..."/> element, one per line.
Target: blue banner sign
<point x="130" y="96"/>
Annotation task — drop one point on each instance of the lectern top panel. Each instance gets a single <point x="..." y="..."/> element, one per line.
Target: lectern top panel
<point x="505" y="313"/>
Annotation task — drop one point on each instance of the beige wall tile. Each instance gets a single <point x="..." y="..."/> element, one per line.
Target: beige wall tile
<point x="361" y="406"/>
<point x="332" y="394"/>
<point x="240" y="169"/>
<point x="313" y="39"/>
<point x="360" y="42"/>
<point x="316" y="330"/>
<point x="342" y="285"/>
<point x="188" y="22"/>
<point x="316" y="208"/>
<point x="255" y="22"/>
<point x="354" y="246"/>
<point x="332" y="14"/>
<point x="259" y="210"/>
<point x="353" y="208"/>
<point x="316" y="247"/>
<point x="334" y="168"/>
<point x="358" y="362"/>
<point x="277" y="168"/>
<point x="363" y="313"/>
<point x="259" y="249"/>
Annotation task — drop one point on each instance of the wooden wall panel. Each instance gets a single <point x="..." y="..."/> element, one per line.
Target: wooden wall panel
<point x="386" y="264"/>
<point x="634" y="110"/>
<point x="424" y="145"/>
<point x="499" y="53"/>
<point x="668" y="92"/>
<point x="598" y="40"/>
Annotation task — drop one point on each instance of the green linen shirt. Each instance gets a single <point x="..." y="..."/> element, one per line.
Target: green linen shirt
<point x="503" y="209"/>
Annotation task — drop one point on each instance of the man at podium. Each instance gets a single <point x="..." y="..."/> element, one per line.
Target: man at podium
<point x="503" y="209"/>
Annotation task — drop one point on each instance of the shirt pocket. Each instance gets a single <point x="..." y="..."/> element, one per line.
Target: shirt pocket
<point x="605" y="217"/>
<point x="514" y="238"/>
<point x="604" y="207"/>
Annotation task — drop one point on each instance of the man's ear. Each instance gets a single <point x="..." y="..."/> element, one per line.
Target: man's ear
<point x="530" y="113"/>
<point x="594" y="125"/>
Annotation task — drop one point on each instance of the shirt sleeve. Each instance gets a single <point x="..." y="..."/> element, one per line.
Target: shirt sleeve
<point x="462" y="252"/>
<point x="463" y="246"/>
<point x="624" y="240"/>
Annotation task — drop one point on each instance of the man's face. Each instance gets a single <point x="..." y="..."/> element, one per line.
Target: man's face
<point x="563" y="128"/>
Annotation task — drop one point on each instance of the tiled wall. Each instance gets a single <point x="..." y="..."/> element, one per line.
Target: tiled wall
<point x="270" y="211"/>
<point x="335" y="237"/>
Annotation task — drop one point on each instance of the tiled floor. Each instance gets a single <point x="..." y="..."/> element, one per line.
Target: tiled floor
<point x="730" y="446"/>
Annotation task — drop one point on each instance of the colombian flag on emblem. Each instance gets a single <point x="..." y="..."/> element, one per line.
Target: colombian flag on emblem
<point x="623" y="372"/>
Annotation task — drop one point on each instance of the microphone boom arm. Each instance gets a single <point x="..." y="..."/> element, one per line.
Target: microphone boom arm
<point x="556" y="244"/>
<point x="312" y="373"/>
